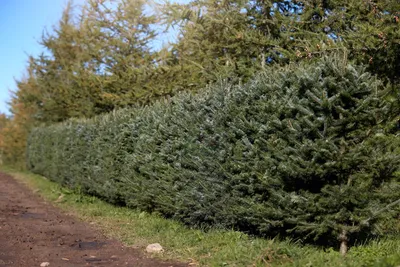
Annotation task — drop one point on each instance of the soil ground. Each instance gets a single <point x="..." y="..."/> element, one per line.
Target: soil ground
<point x="33" y="231"/>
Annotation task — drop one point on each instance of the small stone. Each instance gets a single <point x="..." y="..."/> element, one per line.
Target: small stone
<point x="114" y="258"/>
<point x="154" y="248"/>
<point x="45" y="264"/>
<point x="60" y="198"/>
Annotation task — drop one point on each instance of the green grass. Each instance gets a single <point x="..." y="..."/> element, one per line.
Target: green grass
<point x="200" y="248"/>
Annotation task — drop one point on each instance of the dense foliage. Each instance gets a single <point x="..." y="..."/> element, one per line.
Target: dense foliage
<point x="236" y="38"/>
<point x="299" y="151"/>
<point x="102" y="56"/>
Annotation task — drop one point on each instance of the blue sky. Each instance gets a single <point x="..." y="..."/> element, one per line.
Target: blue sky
<point x="21" y="25"/>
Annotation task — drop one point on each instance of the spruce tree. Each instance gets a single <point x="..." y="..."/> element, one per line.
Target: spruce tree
<point x="330" y="164"/>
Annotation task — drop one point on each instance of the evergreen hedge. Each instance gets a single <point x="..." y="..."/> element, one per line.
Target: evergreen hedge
<point x="297" y="151"/>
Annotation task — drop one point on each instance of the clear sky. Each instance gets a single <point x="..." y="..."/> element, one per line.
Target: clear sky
<point x="21" y="25"/>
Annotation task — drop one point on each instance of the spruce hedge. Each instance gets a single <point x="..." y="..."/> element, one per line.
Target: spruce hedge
<point x="298" y="151"/>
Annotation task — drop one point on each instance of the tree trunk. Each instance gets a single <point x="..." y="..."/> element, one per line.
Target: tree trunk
<point x="343" y="242"/>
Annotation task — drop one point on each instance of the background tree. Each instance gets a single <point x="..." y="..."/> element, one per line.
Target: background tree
<point x="96" y="62"/>
<point x="3" y="124"/>
<point x="59" y="70"/>
<point x="14" y="130"/>
<point x="121" y="49"/>
<point x="237" y="38"/>
<point x="102" y="59"/>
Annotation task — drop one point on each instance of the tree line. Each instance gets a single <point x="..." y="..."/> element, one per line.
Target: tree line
<point x="100" y="56"/>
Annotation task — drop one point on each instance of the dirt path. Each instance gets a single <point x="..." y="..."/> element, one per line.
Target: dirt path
<point x="33" y="231"/>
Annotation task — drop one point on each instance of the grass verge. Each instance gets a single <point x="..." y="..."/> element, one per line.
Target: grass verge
<point x="199" y="248"/>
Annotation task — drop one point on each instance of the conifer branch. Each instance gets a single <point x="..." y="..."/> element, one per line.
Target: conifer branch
<point x="394" y="203"/>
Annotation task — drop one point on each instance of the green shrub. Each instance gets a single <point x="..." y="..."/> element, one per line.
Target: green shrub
<point x="298" y="151"/>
